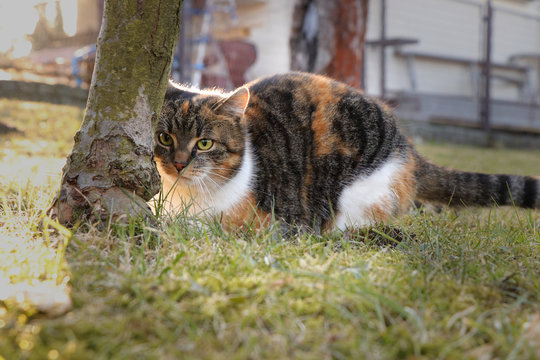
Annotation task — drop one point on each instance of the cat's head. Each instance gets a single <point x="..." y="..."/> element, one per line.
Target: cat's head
<point x="200" y="137"/>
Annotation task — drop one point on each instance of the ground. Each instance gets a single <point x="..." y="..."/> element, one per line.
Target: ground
<point x="458" y="284"/>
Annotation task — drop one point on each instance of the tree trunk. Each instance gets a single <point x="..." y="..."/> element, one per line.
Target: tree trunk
<point x="328" y="37"/>
<point x="111" y="171"/>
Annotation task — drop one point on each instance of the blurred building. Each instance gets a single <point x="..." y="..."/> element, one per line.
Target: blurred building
<point x="437" y="62"/>
<point x="432" y="58"/>
<point x="225" y="43"/>
<point x="89" y="14"/>
<point x="443" y="64"/>
<point x="58" y="39"/>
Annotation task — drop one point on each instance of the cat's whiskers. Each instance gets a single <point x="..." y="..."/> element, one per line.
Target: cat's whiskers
<point x="207" y="192"/>
<point x="218" y="180"/>
<point x="199" y="199"/>
<point x="213" y="173"/>
<point x="200" y="190"/>
<point x="220" y="176"/>
<point x="219" y="168"/>
<point x="214" y="183"/>
<point x="208" y="201"/>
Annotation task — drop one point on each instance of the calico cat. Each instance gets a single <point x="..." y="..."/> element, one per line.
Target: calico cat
<point x="309" y="151"/>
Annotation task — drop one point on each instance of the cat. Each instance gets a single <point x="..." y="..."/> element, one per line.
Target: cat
<point x="309" y="151"/>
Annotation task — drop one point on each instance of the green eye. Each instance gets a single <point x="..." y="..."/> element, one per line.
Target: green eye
<point x="165" y="139"/>
<point x="204" y="144"/>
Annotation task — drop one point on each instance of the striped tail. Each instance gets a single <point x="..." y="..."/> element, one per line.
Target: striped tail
<point x="459" y="188"/>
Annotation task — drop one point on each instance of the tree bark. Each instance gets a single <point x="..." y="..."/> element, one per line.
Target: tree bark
<point x="328" y="38"/>
<point x="111" y="171"/>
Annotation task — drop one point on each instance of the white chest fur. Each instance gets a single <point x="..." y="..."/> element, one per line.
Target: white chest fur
<point x="358" y="199"/>
<point x="233" y="192"/>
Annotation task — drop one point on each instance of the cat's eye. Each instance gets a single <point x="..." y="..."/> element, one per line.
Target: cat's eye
<point x="205" y="144"/>
<point x="165" y="139"/>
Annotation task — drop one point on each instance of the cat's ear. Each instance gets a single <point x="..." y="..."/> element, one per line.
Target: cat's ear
<point x="235" y="104"/>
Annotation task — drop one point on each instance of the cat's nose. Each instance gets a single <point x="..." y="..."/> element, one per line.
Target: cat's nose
<point x="180" y="165"/>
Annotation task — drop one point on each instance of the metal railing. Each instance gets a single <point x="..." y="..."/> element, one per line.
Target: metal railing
<point x="498" y="47"/>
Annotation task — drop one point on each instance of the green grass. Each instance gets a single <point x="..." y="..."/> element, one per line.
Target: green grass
<point x="459" y="285"/>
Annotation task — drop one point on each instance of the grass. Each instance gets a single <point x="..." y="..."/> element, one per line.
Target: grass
<point x="459" y="285"/>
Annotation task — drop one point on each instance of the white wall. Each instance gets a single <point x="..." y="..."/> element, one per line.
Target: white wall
<point x="444" y="27"/>
<point x="270" y="32"/>
<point x="450" y="28"/>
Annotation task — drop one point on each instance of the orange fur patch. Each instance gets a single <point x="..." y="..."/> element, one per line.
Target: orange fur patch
<point x="165" y="169"/>
<point x="404" y="184"/>
<point x="326" y="142"/>
<point x="379" y="212"/>
<point x="185" y="107"/>
<point x="247" y="214"/>
<point x="403" y="188"/>
<point x="329" y="224"/>
<point x="226" y="166"/>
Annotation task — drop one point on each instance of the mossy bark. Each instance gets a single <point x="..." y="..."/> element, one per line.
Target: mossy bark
<point x="111" y="171"/>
